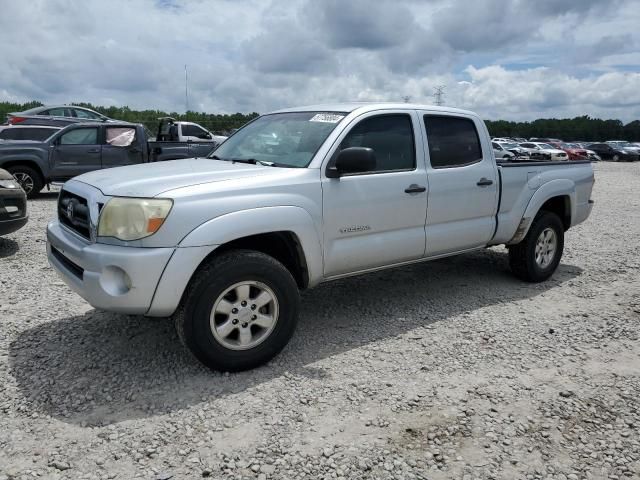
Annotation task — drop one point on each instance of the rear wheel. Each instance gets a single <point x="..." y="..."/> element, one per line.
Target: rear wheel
<point x="616" y="158"/>
<point x="239" y="311"/>
<point x="538" y="255"/>
<point x="28" y="178"/>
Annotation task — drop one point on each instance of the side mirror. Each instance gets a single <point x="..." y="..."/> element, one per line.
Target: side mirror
<point x="352" y="160"/>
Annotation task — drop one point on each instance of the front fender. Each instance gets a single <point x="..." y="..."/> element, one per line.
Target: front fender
<point x="555" y="188"/>
<point x="244" y="223"/>
<point x="203" y="240"/>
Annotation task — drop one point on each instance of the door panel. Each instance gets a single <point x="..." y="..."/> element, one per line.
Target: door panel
<point x="369" y="219"/>
<point x="463" y="185"/>
<point x="76" y="152"/>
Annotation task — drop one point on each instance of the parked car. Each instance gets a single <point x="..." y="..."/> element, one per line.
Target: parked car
<point x="84" y="147"/>
<point x="501" y="153"/>
<point x="534" y="152"/>
<point x="13" y="204"/>
<point x="591" y="155"/>
<point x="573" y="151"/>
<point x="37" y="133"/>
<point x="624" y="145"/>
<point x="608" y="152"/>
<point x="47" y="114"/>
<point x="225" y="245"/>
<point x="514" y="148"/>
<point x="555" y="154"/>
<point x="178" y="131"/>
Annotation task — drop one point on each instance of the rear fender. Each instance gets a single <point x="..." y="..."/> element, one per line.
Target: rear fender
<point x="554" y="188"/>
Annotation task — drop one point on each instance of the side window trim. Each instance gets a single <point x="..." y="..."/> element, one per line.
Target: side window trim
<point x="427" y="149"/>
<point x="378" y="172"/>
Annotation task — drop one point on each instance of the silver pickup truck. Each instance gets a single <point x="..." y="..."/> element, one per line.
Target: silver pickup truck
<point x="296" y="198"/>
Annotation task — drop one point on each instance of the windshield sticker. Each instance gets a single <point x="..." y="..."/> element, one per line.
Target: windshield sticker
<point x="327" y="117"/>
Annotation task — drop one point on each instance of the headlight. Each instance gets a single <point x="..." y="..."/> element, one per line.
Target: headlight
<point x="133" y="218"/>
<point x="9" y="184"/>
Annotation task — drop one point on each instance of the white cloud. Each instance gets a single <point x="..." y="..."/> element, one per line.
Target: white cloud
<point x="505" y="59"/>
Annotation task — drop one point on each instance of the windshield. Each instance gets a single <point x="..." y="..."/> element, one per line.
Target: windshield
<point x="547" y="146"/>
<point x="284" y="139"/>
<point x="509" y="145"/>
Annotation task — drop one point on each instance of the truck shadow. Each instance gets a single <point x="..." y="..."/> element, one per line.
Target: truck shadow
<point x="101" y="368"/>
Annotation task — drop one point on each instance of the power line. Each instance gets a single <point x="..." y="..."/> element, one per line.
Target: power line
<point x="438" y="95"/>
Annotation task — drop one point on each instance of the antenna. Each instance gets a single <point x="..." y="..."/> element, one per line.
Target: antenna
<point x="439" y="95"/>
<point x="186" y="93"/>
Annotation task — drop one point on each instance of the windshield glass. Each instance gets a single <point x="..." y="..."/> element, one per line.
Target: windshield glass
<point x="285" y="139"/>
<point x="547" y="146"/>
<point x="509" y="145"/>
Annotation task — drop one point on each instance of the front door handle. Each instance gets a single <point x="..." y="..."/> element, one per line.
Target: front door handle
<point x="484" y="182"/>
<point x="413" y="188"/>
<point x="94" y="150"/>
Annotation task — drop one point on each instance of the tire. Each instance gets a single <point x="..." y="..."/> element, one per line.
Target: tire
<point x="522" y="257"/>
<point x="616" y="158"/>
<point x="29" y="179"/>
<point x="206" y="290"/>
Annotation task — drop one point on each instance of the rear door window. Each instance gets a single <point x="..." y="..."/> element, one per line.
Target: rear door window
<point x="84" y="114"/>
<point x="120" y="136"/>
<point x="453" y="141"/>
<point x="80" y="136"/>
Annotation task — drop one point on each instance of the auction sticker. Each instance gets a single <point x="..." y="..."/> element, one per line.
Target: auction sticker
<point x="327" y="117"/>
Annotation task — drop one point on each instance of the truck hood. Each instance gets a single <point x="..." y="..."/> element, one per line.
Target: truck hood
<point x="152" y="179"/>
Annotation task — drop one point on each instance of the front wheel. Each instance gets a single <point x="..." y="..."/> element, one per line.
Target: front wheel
<point x="239" y="311"/>
<point x="538" y="255"/>
<point x="616" y="158"/>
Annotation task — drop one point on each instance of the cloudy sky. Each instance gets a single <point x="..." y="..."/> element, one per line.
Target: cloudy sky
<point x="518" y="59"/>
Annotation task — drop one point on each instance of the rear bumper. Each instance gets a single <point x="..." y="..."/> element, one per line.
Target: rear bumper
<point x="112" y="278"/>
<point x="582" y="212"/>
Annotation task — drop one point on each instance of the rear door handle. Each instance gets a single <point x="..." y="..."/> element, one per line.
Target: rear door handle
<point x="94" y="150"/>
<point x="484" y="182"/>
<point x="413" y="188"/>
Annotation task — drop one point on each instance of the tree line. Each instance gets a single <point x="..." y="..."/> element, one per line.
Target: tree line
<point x="579" y="128"/>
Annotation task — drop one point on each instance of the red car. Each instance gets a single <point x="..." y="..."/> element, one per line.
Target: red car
<point x="574" y="152"/>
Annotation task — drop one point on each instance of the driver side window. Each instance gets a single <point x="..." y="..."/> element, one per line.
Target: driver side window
<point x="391" y="139"/>
<point x="80" y="136"/>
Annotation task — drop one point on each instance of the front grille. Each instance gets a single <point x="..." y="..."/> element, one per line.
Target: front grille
<point x="12" y="208"/>
<point x="77" y="270"/>
<point x="73" y="213"/>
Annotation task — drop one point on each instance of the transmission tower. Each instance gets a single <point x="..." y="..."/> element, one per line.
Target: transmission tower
<point x="438" y="95"/>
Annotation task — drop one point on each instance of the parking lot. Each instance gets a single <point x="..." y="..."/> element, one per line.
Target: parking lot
<point x="447" y="369"/>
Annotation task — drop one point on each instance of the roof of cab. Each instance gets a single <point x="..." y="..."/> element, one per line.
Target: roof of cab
<point x="349" y="107"/>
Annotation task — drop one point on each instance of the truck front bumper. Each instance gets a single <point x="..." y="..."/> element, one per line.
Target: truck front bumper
<point x="112" y="278"/>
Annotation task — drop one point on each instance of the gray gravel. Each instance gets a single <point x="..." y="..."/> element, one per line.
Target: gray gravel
<point x="451" y="369"/>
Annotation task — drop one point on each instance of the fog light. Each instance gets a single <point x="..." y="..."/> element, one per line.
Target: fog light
<point x="115" y="281"/>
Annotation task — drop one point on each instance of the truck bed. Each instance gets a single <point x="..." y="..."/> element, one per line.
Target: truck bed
<point x="521" y="180"/>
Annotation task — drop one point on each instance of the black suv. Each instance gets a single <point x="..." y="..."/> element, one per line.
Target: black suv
<point x="607" y="152"/>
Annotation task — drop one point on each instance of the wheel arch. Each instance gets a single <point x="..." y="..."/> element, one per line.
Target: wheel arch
<point x="557" y="196"/>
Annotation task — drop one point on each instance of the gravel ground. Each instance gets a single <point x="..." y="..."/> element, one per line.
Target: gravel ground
<point x="450" y="369"/>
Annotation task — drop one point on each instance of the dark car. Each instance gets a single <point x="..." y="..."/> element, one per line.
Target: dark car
<point x="59" y="116"/>
<point x="607" y="152"/>
<point x="37" y="133"/>
<point x="13" y="204"/>
<point x="84" y="147"/>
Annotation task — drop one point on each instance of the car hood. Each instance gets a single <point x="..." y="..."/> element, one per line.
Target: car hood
<point x="152" y="179"/>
